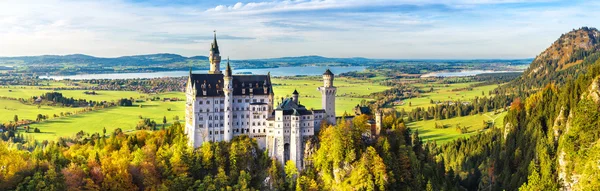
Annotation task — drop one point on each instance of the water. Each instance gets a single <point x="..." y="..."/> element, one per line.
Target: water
<point x="281" y="71"/>
<point x="462" y="73"/>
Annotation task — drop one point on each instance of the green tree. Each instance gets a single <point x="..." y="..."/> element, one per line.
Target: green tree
<point x="291" y="173"/>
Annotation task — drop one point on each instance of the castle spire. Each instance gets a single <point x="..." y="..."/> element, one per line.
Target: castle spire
<point x="214" y="58"/>
<point x="228" y="70"/>
<point x="215" y="46"/>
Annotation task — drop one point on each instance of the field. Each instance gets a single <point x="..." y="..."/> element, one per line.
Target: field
<point x="126" y="118"/>
<point x="10" y="108"/>
<point x="348" y="91"/>
<point x="474" y="123"/>
<point x="444" y="93"/>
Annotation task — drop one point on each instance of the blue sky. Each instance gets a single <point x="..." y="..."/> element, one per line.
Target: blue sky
<point x="403" y="29"/>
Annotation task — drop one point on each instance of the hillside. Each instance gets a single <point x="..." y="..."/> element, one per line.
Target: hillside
<point x="550" y="139"/>
<point x="568" y="55"/>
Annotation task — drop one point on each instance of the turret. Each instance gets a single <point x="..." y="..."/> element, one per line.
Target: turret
<point x="295" y="97"/>
<point x="228" y="91"/>
<point x="328" y="78"/>
<point x="328" y="92"/>
<point x="214" y="58"/>
<point x="378" y="122"/>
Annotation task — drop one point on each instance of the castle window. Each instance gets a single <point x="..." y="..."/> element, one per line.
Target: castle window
<point x="253" y="100"/>
<point x="222" y="132"/>
<point x="200" y="110"/>
<point x="200" y="102"/>
<point x="201" y="118"/>
<point x="209" y="117"/>
<point x="209" y="125"/>
<point x="253" y="108"/>
<point x="253" y="131"/>
<point x="262" y="100"/>
<point x="200" y="125"/>
<point x="207" y="110"/>
<point x="247" y="100"/>
<point x="210" y="132"/>
<point x="239" y="101"/>
<point x="217" y="102"/>
<point x="207" y="102"/>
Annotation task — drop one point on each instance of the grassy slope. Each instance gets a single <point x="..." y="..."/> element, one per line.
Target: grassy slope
<point x="10" y="108"/>
<point x="442" y="93"/>
<point x="427" y="130"/>
<point x="125" y="118"/>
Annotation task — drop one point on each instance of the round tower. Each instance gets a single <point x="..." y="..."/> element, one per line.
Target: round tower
<point x="328" y="92"/>
<point x="378" y="122"/>
<point x="228" y="91"/>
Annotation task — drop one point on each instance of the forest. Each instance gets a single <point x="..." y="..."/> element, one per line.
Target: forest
<point x="341" y="159"/>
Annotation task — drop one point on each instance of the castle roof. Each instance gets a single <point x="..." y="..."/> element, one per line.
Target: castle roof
<point x="213" y="84"/>
<point x="359" y="110"/>
<point x="290" y="107"/>
<point x="328" y="72"/>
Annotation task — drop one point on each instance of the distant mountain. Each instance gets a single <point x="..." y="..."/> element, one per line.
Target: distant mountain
<point x="80" y="63"/>
<point x="565" y="58"/>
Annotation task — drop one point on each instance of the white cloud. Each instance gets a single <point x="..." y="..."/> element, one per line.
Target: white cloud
<point x="281" y="28"/>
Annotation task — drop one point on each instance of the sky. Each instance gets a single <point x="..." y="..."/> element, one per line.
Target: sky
<point x="391" y="29"/>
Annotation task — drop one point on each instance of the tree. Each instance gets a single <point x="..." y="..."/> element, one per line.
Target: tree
<point x="16" y="118"/>
<point x="291" y="173"/>
<point x="276" y="180"/>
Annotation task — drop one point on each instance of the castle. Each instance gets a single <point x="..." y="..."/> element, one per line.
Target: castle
<point x="221" y="105"/>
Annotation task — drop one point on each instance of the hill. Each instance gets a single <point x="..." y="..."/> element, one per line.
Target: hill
<point x="550" y="139"/>
<point x="564" y="59"/>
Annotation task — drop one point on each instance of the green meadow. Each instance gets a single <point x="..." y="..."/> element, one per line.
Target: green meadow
<point x="125" y="118"/>
<point x="10" y="108"/>
<point x="444" y="92"/>
<point x="474" y="123"/>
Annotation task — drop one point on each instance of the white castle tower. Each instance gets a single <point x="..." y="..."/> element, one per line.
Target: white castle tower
<point x="214" y="58"/>
<point x="328" y="96"/>
<point x="228" y="91"/>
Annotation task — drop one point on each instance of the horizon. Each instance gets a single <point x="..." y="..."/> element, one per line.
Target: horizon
<point x="298" y="56"/>
<point x="402" y="29"/>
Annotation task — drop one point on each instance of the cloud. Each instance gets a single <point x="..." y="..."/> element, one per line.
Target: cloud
<point x="259" y="29"/>
<point x="186" y="39"/>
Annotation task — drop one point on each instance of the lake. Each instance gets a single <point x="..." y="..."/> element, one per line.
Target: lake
<point x="281" y="71"/>
<point x="462" y="73"/>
